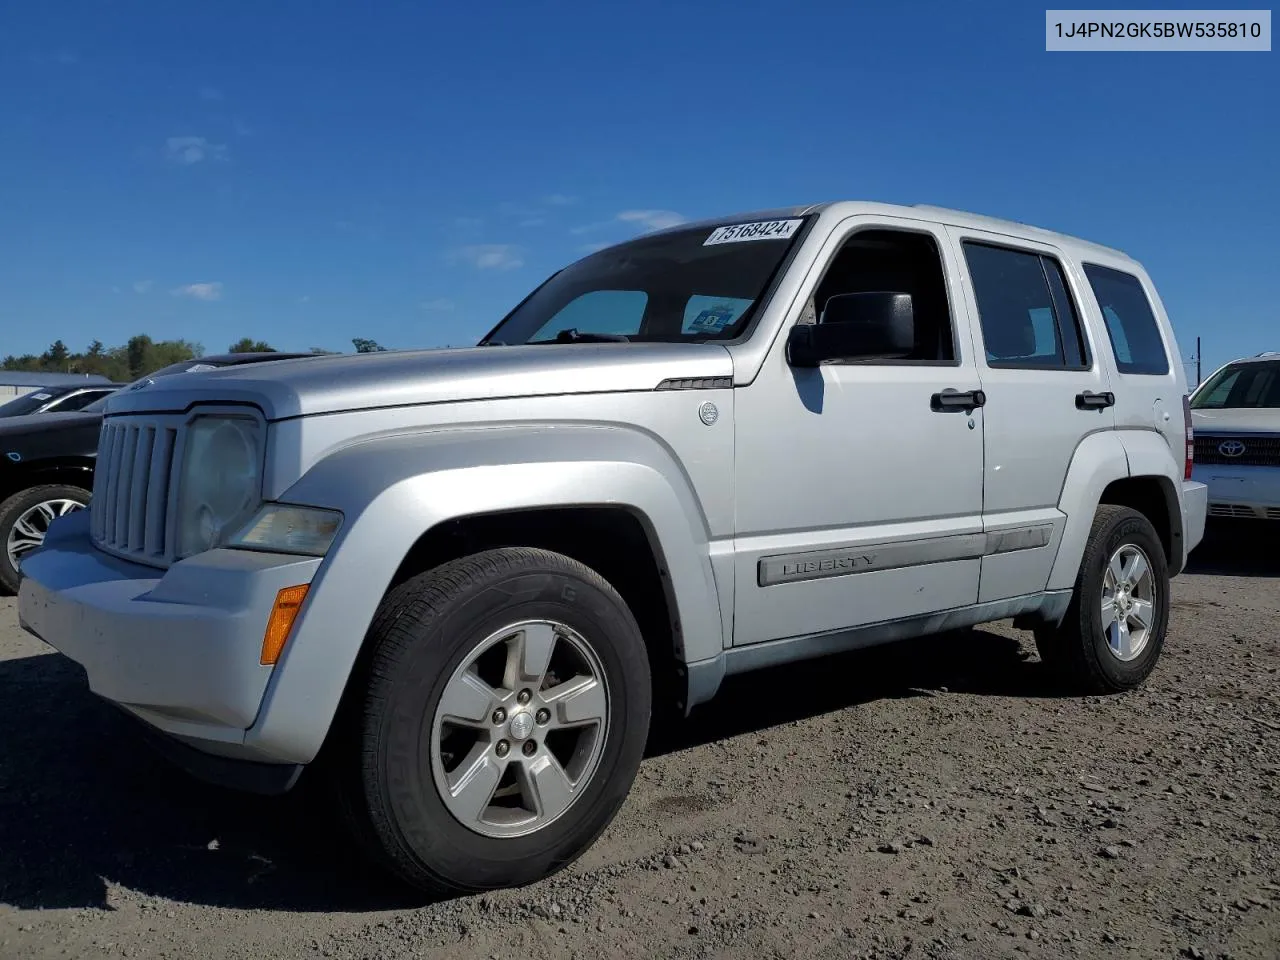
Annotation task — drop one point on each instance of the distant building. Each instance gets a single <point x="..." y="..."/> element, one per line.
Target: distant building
<point x="15" y="383"/>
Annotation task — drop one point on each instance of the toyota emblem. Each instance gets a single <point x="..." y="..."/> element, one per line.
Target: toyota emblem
<point x="1231" y="448"/>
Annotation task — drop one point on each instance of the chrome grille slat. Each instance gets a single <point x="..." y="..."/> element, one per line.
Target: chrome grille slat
<point x="114" y="441"/>
<point x="123" y="498"/>
<point x="158" y="492"/>
<point x="138" y="490"/>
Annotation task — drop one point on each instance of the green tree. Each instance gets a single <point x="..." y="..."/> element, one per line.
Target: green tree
<point x="57" y="359"/>
<point x="322" y="352"/>
<point x="249" y="345"/>
<point x="363" y="345"/>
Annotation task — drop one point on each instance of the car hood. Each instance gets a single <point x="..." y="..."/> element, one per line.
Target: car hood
<point x="45" y="422"/>
<point x="1237" y="420"/>
<point x="328" y="384"/>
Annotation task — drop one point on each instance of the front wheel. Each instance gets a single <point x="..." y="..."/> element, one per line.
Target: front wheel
<point x="25" y="519"/>
<point x="501" y="721"/>
<point x="1113" y="631"/>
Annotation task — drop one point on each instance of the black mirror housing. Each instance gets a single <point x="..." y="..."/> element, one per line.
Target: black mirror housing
<point x="878" y="325"/>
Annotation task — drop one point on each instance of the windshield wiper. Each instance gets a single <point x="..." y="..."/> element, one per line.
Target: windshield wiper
<point x="573" y="335"/>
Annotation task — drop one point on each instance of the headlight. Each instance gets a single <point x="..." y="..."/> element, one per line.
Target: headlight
<point x="220" y="484"/>
<point x="281" y="528"/>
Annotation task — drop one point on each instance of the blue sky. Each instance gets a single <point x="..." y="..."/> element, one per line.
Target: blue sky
<point x="307" y="172"/>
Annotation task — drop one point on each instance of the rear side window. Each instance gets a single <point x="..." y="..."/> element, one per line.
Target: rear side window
<point x="1025" y="310"/>
<point x="1131" y="325"/>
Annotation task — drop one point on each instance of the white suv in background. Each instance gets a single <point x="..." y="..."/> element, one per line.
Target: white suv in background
<point x="1236" y="415"/>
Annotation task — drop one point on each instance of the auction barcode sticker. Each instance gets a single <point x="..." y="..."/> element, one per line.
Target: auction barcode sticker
<point x="760" y="230"/>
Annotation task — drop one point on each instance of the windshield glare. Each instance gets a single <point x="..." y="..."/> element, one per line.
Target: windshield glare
<point x="1246" y="385"/>
<point x="682" y="286"/>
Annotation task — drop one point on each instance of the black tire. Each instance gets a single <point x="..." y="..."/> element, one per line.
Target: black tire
<point x="18" y="504"/>
<point x="1077" y="650"/>
<point x="422" y="632"/>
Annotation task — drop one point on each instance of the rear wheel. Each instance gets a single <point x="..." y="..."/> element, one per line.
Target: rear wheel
<point x="25" y="519"/>
<point x="501" y="721"/>
<point x="1113" y="631"/>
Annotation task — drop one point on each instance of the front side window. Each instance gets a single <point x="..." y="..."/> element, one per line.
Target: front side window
<point x="1027" y="317"/>
<point x="684" y="285"/>
<point x="1131" y="325"/>
<point x="897" y="261"/>
<point x="1253" y="385"/>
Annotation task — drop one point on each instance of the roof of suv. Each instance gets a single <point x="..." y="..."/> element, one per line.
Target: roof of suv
<point x="959" y="218"/>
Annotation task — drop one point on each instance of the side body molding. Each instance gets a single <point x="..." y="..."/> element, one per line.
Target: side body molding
<point x="393" y="489"/>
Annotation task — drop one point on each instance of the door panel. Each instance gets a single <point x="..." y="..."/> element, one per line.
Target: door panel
<point x="857" y="501"/>
<point x="1046" y="391"/>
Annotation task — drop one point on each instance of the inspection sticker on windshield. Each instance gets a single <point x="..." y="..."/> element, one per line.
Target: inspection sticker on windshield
<point x="760" y="230"/>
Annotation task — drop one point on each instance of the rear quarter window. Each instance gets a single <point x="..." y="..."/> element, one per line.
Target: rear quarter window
<point x="1131" y="323"/>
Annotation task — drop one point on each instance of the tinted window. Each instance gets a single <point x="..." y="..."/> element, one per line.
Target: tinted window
<point x="1131" y="325"/>
<point x="686" y="284"/>
<point x="900" y="262"/>
<point x="1025" y="310"/>
<point x="79" y="401"/>
<point x="1255" y="385"/>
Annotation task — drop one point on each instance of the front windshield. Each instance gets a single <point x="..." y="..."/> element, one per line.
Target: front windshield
<point x="182" y="366"/>
<point x="680" y="286"/>
<point x="1253" y="385"/>
<point x="26" y="404"/>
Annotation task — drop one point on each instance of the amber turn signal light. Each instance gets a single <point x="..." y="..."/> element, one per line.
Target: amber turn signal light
<point x="288" y="603"/>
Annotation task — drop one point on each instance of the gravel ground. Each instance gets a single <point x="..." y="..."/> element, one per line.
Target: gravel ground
<point x="933" y="799"/>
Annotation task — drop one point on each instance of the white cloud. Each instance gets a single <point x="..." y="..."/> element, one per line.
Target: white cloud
<point x="438" y="305"/>
<point x="211" y="94"/>
<point x="592" y="247"/>
<point x="492" y="256"/>
<point x="652" y="219"/>
<point x="199" y="291"/>
<point x="559" y="200"/>
<point x="305" y="298"/>
<point x="189" y="150"/>
<point x="532" y="222"/>
<point x="142" y="286"/>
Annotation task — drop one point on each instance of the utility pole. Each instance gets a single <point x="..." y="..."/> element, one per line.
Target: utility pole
<point x="1197" y="361"/>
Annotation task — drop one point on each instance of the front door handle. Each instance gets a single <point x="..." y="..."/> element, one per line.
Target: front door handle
<point x="966" y="400"/>
<point x="1094" y="401"/>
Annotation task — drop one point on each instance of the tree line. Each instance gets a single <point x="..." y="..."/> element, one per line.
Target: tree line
<point x="140" y="355"/>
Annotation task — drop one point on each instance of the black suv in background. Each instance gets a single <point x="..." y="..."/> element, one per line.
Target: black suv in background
<point x="46" y="463"/>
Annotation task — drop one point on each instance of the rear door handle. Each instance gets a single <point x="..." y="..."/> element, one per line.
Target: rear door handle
<point x="1095" y="401"/>
<point x="950" y="399"/>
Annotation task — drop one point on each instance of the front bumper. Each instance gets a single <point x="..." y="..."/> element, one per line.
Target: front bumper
<point x="179" y="649"/>
<point x="1246" y="493"/>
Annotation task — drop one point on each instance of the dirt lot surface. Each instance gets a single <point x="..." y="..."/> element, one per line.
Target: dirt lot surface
<point x="933" y="799"/>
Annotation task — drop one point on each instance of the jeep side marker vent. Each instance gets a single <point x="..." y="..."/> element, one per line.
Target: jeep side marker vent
<point x="697" y="383"/>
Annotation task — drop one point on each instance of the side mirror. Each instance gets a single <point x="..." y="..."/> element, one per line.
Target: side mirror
<point x="879" y="325"/>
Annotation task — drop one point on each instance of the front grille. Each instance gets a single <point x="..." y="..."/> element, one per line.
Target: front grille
<point x="129" y="512"/>
<point x="1254" y="450"/>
